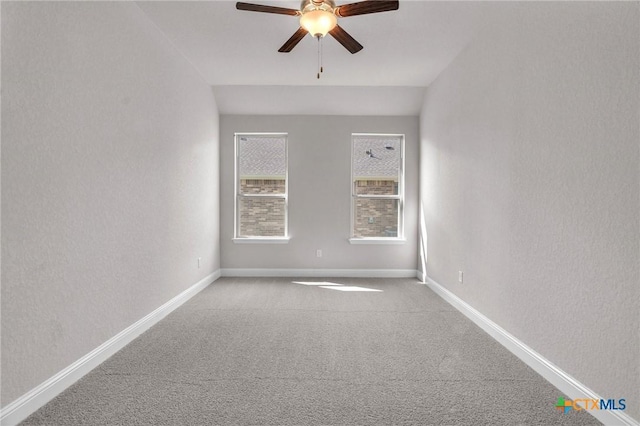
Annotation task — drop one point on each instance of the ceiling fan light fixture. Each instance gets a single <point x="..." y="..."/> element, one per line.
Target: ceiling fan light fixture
<point x="318" y="22"/>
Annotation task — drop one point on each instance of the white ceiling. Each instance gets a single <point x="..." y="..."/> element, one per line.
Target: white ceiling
<point x="237" y="53"/>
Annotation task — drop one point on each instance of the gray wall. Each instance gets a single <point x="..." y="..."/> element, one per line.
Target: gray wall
<point x="530" y="185"/>
<point x="109" y="181"/>
<point x="319" y="194"/>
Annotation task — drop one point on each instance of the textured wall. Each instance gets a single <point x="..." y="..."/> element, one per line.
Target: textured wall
<point x="109" y="180"/>
<point x="530" y="184"/>
<point x="319" y="194"/>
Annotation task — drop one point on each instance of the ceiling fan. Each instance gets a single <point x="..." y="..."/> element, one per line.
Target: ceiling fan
<point x="319" y="17"/>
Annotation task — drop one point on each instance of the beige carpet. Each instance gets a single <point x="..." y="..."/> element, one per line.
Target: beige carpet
<point x="269" y="351"/>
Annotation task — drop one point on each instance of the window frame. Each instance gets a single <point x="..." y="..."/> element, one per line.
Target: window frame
<point x="253" y="239"/>
<point x="400" y="237"/>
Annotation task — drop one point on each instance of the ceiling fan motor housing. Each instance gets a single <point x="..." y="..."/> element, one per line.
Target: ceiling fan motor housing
<point x="327" y="5"/>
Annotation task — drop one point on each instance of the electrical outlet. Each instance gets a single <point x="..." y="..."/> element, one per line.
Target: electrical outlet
<point x="460" y="276"/>
<point x="199" y="261"/>
<point x="318" y="253"/>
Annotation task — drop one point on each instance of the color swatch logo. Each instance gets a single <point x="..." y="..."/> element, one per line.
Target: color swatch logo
<point x="563" y="405"/>
<point x="566" y="405"/>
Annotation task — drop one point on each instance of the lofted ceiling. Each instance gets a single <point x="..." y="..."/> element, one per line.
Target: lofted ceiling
<point x="237" y="53"/>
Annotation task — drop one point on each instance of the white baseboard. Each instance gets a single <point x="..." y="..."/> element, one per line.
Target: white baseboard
<point x="319" y="273"/>
<point x="571" y="387"/>
<point x="27" y="404"/>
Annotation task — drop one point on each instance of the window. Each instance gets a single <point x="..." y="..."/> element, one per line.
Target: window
<point x="261" y="187"/>
<point x="377" y="188"/>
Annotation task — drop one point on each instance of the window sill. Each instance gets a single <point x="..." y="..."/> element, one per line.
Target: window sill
<point x="262" y="240"/>
<point x="377" y="240"/>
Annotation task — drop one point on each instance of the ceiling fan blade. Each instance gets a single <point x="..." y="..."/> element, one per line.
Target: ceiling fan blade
<point x="267" y="9"/>
<point x="293" y="40"/>
<point x="345" y="39"/>
<point x="364" y="7"/>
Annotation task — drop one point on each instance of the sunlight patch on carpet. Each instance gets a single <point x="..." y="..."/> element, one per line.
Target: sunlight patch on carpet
<point x="316" y="283"/>
<point x="336" y="286"/>
<point x="350" y="288"/>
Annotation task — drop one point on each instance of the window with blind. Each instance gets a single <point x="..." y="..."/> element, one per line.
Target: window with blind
<point x="261" y="186"/>
<point x="377" y="187"/>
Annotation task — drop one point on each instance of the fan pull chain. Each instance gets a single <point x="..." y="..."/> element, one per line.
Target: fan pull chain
<point x="320" y="56"/>
<point x="321" y="48"/>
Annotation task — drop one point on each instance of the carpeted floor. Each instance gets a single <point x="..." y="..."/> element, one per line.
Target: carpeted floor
<point x="268" y="351"/>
